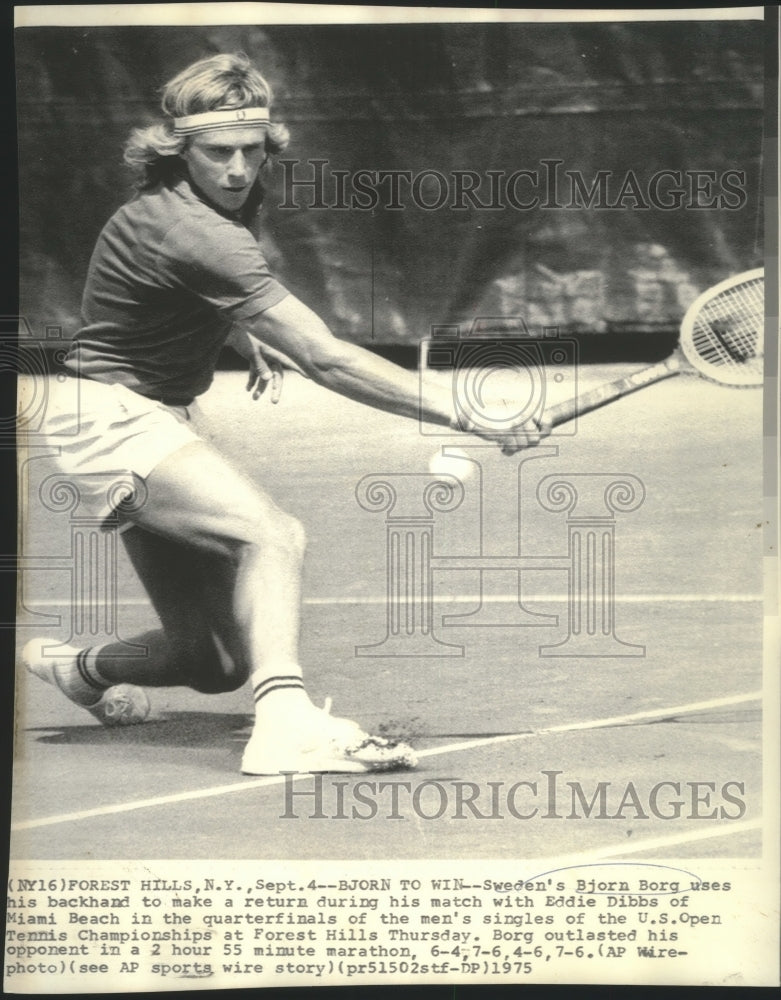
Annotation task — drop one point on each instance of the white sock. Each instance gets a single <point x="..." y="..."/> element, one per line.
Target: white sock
<point x="78" y="675"/>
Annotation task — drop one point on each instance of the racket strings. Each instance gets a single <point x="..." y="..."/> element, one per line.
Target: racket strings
<point x="729" y="328"/>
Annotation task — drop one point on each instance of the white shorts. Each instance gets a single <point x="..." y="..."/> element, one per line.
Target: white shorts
<point x="106" y="438"/>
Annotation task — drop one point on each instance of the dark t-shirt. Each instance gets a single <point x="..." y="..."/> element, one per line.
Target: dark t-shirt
<point x="169" y="276"/>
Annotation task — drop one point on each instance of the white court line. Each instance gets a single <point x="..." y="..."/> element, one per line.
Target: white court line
<point x="160" y="800"/>
<point x="473" y="599"/>
<point x="652" y="844"/>
<point x="205" y="793"/>
<point x="513" y="599"/>
<point x="616" y="720"/>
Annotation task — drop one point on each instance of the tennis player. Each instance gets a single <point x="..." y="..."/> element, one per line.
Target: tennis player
<point x="175" y="276"/>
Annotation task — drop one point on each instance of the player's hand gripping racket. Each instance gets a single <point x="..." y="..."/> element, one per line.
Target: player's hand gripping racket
<point x="722" y="339"/>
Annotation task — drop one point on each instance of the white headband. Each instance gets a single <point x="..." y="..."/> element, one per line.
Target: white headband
<point x="216" y="120"/>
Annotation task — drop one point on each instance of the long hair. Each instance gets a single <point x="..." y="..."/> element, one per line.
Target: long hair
<point x="211" y="84"/>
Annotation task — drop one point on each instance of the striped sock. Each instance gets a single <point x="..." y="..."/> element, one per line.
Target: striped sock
<point x="87" y="666"/>
<point x="278" y="683"/>
<point x="79" y="678"/>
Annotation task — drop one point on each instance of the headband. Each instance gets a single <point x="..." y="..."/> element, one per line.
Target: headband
<point x="216" y="120"/>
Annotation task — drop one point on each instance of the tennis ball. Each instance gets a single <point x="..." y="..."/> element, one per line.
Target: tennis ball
<point x="455" y="463"/>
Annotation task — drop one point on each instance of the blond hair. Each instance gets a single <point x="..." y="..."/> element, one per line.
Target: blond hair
<point x="216" y="82"/>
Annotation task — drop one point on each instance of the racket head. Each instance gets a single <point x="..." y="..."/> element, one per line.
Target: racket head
<point x="722" y="333"/>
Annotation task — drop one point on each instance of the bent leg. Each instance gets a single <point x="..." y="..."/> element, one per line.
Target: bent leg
<point x="223" y="565"/>
<point x="196" y="499"/>
<point x="195" y="647"/>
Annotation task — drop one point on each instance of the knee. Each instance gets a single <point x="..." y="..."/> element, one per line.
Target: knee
<point x="216" y="681"/>
<point x="291" y="533"/>
<point x="282" y="533"/>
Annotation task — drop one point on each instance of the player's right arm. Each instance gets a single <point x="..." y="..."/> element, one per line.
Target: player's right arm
<point x="292" y="329"/>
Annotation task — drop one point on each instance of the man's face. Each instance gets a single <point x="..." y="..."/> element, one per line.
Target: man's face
<point x="224" y="164"/>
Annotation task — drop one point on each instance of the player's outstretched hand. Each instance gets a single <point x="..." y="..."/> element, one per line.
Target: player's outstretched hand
<point x="263" y="374"/>
<point x="525" y="435"/>
<point x="503" y="430"/>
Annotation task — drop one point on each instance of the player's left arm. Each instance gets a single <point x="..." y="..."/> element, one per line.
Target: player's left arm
<point x="293" y="330"/>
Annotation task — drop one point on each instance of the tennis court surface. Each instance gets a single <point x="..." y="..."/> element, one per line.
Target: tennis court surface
<point x="672" y="695"/>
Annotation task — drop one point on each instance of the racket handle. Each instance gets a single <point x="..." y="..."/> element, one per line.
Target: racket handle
<point x="571" y="408"/>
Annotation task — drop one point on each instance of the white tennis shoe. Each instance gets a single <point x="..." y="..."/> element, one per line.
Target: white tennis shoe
<point x="324" y="745"/>
<point x="119" y="705"/>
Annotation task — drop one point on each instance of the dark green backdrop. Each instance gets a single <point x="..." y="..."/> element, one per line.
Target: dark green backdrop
<point x="623" y="98"/>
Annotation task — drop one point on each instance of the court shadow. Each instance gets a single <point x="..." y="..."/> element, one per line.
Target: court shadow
<point x="172" y="729"/>
<point x="200" y="730"/>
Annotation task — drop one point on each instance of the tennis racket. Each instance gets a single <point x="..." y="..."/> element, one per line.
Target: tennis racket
<point x="721" y="339"/>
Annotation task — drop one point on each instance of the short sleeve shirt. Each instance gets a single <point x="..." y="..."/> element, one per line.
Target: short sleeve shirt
<point x="169" y="276"/>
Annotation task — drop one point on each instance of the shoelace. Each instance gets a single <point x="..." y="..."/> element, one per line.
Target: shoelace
<point x="362" y="740"/>
<point x="118" y="706"/>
